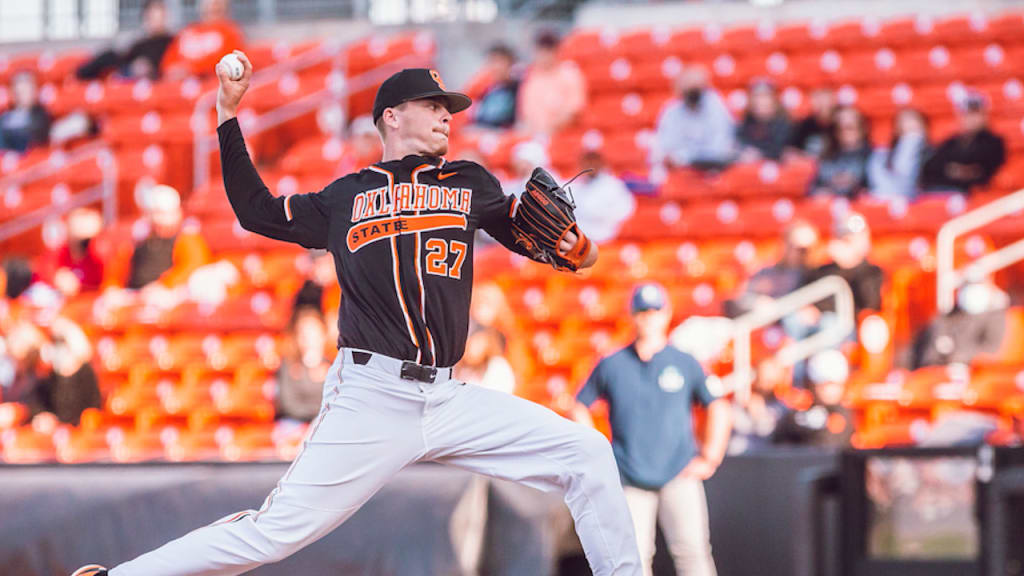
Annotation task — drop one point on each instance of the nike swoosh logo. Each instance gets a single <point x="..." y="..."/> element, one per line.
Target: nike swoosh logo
<point x="444" y="175"/>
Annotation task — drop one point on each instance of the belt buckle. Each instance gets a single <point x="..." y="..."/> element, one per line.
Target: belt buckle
<point x="413" y="371"/>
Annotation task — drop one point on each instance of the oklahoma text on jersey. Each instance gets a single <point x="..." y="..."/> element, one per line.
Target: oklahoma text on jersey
<point x="377" y="213"/>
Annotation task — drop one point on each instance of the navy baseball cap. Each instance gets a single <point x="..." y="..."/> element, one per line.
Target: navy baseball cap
<point x="414" y="84"/>
<point x="650" y="296"/>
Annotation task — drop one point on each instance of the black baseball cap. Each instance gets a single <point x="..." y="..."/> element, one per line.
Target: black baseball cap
<point x="414" y="84"/>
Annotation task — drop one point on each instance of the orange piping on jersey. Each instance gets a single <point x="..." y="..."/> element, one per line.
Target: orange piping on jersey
<point x="288" y="208"/>
<point x="394" y="261"/>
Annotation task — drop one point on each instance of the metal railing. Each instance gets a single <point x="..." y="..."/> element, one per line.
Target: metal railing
<point x="105" y="191"/>
<point x="205" y="137"/>
<point x="947" y="277"/>
<point x="835" y="287"/>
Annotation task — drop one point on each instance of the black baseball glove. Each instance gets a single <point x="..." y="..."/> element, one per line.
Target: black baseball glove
<point x="541" y="219"/>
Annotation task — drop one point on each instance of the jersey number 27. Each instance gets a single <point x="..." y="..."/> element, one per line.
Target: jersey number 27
<point x="438" y="251"/>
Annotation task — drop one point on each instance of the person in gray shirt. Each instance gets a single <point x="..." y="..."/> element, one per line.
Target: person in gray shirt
<point x="893" y="172"/>
<point x="650" y="388"/>
<point x="696" y="130"/>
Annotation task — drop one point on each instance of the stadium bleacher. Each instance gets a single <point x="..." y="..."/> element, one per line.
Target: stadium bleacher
<point x="195" y="382"/>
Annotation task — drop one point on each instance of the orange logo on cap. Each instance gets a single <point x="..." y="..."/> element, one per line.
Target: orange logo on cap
<point x="437" y="78"/>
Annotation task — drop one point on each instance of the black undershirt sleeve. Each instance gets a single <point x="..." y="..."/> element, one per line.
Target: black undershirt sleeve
<point x="300" y="218"/>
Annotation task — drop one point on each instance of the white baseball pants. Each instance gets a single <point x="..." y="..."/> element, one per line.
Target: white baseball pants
<point x="372" y="423"/>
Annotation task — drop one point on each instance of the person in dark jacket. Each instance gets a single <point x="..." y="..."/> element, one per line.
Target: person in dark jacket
<point x="811" y="134"/>
<point x="70" y="386"/>
<point x="26" y="123"/>
<point x="766" y="127"/>
<point x="969" y="158"/>
<point x="842" y="168"/>
<point x="142" y="58"/>
<point x="849" y="249"/>
<point x="497" y="91"/>
<point x="303" y="370"/>
<point x="976" y="326"/>
<point x="826" y="422"/>
<point x="780" y="278"/>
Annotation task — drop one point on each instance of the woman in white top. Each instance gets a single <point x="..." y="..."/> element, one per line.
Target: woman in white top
<point x="484" y="363"/>
<point x="893" y="172"/>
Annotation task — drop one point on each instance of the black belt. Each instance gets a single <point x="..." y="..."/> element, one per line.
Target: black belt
<point x="410" y="370"/>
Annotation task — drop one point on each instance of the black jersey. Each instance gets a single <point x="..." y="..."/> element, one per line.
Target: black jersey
<point x="401" y="233"/>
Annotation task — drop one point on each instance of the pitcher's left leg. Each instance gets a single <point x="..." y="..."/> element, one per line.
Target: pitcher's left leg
<point x="507" y="437"/>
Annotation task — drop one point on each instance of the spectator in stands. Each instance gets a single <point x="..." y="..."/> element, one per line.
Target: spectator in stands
<point x="321" y="277"/>
<point x="554" y="91"/>
<point x="484" y="362"/>
<point x="142" y="58"/>
<point x="696" y="130"/>
<point x="849" y="250"/>
<point x="766" y="128"/>
<point x="25" y="342"/>
<point x="650" y="388"/>
<point x="196" y="50"/>
<point x="969" y="158"/>
<point x="842" y="168"/>
<point x="603" y="202"/>
<point x="300" y="379"/>
<point x="894" y="172"/>
<point x="7" y="368"/>
<point x="71" y="385"/>
<point x="17" y="276"/>
<point x="26" y="123"/>
<point x="784" y="276"/>
<point x="525" y="157"/>
<point x="490" y="308"/>
<point x="495" y="90"/>
<point x="812" y="133"/>
<point x="364" y="146"/>
<point x="76" y="267"/>
<point x="756" y="420"/>
<point x="171" y="251"/>
<point x="976" y="326"/>
<point x="827" y="422"/>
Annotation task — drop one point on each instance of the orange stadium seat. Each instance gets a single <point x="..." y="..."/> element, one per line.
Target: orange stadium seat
<point x="749" y="39"/>
<point x="25" y="445"/>
<point x="860" y="33"/>
<point x="644" y="44"/>
<point x="1011" y="351"/>
<point x="82" y="445"/>
<point x="584" y="45"/>
<point x="889" y="435"/>
<point x="995" y="390"/>
<point x="801" y="36"/>
<point x="368" y="54"/>
<point x="693" y="43"/>
<point x="901" y="32"/>
<point x="605" y="75"/>
<point x="962" y="29"/>
<point x="250" y="443"/>
<point x="1008" y="27"/>
<point x="140" y="446"/>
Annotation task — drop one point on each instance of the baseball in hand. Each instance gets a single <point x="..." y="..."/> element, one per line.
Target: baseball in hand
<point x="233" y="65"/>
